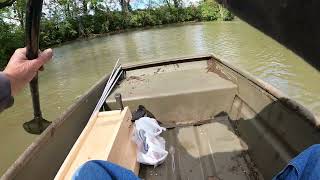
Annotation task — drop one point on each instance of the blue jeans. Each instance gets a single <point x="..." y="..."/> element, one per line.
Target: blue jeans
<point x="306" y="166"/>
<point x="98" y="169"/>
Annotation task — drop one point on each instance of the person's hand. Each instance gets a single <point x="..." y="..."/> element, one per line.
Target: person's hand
<point x="21" y="71"/>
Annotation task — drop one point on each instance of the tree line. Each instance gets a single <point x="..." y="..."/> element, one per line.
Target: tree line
<point x="67" y="20"/>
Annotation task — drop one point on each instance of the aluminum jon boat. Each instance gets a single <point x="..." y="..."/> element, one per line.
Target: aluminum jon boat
<point x="222" y="122"/>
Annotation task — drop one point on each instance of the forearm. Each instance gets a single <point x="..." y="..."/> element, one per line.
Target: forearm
<point x="6" y="99"/>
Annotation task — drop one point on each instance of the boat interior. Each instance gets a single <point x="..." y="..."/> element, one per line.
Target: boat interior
<point x="193" y="102"/>
<point x="221" y="122"/>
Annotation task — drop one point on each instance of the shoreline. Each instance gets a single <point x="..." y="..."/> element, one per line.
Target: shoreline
<point x="93" y="36"/>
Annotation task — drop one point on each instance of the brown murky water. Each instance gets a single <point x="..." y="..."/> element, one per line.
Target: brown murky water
<point x="79" y="65"/>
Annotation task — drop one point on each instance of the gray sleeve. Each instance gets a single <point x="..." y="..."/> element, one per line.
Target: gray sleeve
<point x="6" y="100"/>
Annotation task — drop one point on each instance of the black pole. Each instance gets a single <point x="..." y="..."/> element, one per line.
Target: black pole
<point x="33" y="16"/>
<point x="34" y="8"/>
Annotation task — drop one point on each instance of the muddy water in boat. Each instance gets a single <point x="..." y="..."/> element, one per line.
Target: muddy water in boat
<point x="79" y="65"/>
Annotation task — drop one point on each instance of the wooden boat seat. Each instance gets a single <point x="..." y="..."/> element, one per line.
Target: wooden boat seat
<point x="177" y="96"/>
<point x="107" y="136"/>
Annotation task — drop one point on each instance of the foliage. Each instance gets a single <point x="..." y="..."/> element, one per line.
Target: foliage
<point x="67" y="20"/>
<point x="11" y="38"/>
<point x="226" y="15"/>
<point x="212" y="10"/>
<point x="209" y="10"/>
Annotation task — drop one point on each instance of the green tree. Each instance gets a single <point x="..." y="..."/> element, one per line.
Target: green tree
<point x="67" y="20"/>
<point x="6" y="3"/>
<point x="19" y="9"/>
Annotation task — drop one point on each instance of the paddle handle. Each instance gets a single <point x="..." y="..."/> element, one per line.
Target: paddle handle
<point x="33" y="16"/>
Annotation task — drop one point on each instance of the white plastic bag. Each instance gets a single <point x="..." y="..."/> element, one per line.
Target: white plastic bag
<point x="151" y="147"/>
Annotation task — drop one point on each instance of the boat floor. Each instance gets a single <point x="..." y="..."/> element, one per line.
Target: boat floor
<point x="210" y="151"/>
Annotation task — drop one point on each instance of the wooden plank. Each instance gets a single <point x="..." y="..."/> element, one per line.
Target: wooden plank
<point x="107" y="136"/>
<point x="123" y="151"/>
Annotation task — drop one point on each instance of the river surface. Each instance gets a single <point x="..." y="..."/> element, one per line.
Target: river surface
<point x="78" y="65"/>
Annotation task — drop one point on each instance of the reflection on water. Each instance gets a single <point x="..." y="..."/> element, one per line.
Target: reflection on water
<point x="77" y="66"/>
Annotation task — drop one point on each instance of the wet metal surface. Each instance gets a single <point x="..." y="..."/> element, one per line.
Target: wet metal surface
<point x="177" y="95"/>
<point x="209" y="151"/>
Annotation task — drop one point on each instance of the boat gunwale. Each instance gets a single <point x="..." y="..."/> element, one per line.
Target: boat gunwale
<point x="44" y="137"/>
<point x="147" y="64"/>
<point x="284" y="99"/>
<point x="33" y="148"/>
